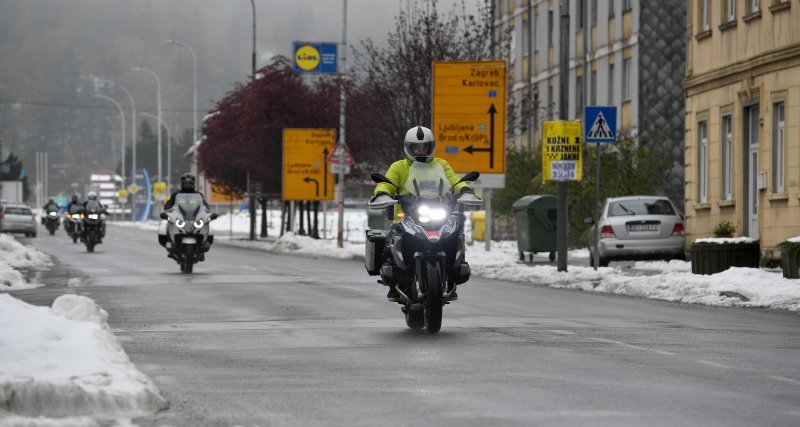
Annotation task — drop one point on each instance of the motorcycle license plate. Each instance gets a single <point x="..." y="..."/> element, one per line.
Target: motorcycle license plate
<point x="189" y="241"/>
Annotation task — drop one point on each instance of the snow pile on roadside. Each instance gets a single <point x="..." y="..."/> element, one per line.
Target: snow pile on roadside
<point x="725" y="240"/>
<point x="15" y="256"/>
<point x="293" y="244"/>
<point x="672" y="281"/>
<point x="65" y="362"/>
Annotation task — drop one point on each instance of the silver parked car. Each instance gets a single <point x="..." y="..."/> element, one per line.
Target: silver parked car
<point x="17" y="218"/>
<point x="638" y="227"/>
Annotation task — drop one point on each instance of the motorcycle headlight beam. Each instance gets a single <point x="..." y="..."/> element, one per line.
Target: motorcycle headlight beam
<point x="198" y="223"/>
<point x="180" y="223"/>
<point x="94" y="216"/>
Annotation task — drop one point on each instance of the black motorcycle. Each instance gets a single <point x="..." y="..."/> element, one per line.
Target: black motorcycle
<point x="51" y="221"/>
<point x="93" y="225"/>
<point x="187" y="232"/>
<point x="72" y="223"/>
<point x="425" y="248"/>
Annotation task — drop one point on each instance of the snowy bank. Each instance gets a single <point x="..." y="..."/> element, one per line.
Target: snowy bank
<point x="13" y="257"/>
<point x="65" y="362"/>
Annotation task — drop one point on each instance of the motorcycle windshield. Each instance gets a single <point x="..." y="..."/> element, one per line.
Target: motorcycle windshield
<point x="189" y="204"/>
<point x="93" y="206"/>
<point x="427" y="180"/>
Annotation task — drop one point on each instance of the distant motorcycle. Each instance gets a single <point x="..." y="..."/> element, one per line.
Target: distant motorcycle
<point x="187" y="232"/>
<point x="52" y="221"/>
<point x="72" y="224"/>
<point x="426" y="246"/>
<point x="93" y="225"/>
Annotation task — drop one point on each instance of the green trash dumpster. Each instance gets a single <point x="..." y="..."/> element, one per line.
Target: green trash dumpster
<point x="380" y="219"/>
<point x="536" y="218"/>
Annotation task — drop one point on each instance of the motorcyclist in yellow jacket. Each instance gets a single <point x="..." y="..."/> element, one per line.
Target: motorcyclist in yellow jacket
<point x="419" y="146"/>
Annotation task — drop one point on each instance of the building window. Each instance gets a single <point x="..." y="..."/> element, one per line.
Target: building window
<point x="702" y="161"/>
<point x="755" y="6"/>
<point x="526" y="37"/>
<point x="593" y="13"/>
<point x="626" y="80"/>
<point x="730" y="10"/>
<point x="581" y="14"/>
<point x="611" y="8"/>
<point x="593" y="84"/>
<point x="579" y="96"/>
<point x="627" y="5"/>
<point x="705" y="23"/>
<point x="778" y="147"/>
<point x="727" y="157"/>
<point x="550" y="28"/>
<point x="610" y="84"/>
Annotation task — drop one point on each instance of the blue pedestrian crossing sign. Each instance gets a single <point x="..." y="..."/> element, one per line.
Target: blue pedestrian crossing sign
<point x="600" y="123"/>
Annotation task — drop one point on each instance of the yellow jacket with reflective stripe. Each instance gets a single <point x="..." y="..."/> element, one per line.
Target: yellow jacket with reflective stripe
<point x="398" y="174"/>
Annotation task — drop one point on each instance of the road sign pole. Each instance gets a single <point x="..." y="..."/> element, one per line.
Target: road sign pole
<point x="597" y="205"/>
<point x="563" y="104"/>
<point x="342" y="105"/>
<point x="487" y="200"/>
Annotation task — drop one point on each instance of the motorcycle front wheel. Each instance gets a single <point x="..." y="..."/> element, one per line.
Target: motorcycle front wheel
<point x="415" y="319"/>
<point x="187" y="265"/>
<point x="432" y="304"/>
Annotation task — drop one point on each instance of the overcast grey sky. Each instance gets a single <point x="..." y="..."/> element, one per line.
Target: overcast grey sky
<point x="281" y="22"/>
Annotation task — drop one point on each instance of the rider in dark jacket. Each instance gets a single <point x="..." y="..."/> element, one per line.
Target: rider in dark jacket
<point x="50" y="206"/>
<point x="187" y="186"/>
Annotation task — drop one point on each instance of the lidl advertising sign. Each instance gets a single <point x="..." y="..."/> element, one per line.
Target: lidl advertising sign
<point x="310" y="57"/>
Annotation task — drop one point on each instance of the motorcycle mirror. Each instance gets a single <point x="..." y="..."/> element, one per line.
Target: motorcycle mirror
<point x="214" y="216"/>
<point x="378" y="178"/>
<point x="469" y="177"/>
<point x="163" y="215"/>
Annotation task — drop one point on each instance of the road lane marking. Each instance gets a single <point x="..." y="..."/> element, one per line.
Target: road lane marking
<point x="247" y="267"/>
<point x="634" y="347"/>
<point x="560" y="332"/>
<point x="784" y="379"/>
<point x="714" y="364"/>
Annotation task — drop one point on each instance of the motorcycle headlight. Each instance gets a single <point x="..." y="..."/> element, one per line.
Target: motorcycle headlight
<point x="198" y="223"/>
<point x="180" y="223"/>
<point x="94" y="216"/>
<point x="428" y="214"/>
<point x="53" y="214"/>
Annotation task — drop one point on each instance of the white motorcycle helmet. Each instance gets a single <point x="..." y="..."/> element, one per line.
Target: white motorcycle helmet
<point x="419" y="144"/>
<point x="92" y="195"/>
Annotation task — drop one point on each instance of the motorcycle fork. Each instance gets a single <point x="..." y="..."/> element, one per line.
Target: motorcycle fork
<point x="421" y="260"/>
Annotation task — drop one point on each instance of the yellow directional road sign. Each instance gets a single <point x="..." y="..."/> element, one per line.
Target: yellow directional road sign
<point x="469" y="115"/>
<point x="221" y="194"/>
<point x="562" y="151"/>
<point x="306" y="173"/>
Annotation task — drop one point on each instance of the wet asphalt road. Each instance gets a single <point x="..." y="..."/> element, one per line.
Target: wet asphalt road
<point x="253" y="338"/>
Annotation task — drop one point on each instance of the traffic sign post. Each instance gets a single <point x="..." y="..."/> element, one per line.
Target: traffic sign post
<point x="306" y="175"/>
<point x="469" y="116"/>
<point x="602" y="127"/>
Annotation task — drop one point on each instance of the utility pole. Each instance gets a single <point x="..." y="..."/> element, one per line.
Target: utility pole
<point x="563" y="104"/>
<point x="342" y="105"/>
<point x="251" y="200"/>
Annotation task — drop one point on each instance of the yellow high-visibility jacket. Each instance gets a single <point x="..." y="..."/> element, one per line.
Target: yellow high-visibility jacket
<point x="398" y="174"/>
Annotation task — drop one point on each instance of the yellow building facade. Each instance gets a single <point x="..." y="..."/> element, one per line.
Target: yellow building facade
<point x="742" y="152"/>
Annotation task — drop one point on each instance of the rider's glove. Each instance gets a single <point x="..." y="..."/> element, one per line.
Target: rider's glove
<point x="465" y="190"/>
<point x="378" y="194"/>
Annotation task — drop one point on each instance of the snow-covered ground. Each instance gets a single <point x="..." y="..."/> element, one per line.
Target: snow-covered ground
<point x="671" y="281"/>
<point x="15" y="257"/>
<point x="62" y="365"/>
<point x="63" y="361"/>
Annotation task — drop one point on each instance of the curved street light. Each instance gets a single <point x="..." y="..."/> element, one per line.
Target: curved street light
<point x="122" y="121"/>
<point x="169" y="145"/>
<point x="194" y="83"/>
<point x="133" y="129"/>
<point x="158" y="108"/>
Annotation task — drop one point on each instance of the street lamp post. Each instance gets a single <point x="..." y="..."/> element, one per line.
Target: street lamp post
<point x="122" y="121"/>
<point x="169" y="142"/>
<point x="194" y="82"/>
<point x="251" y="199"/>
<point x="158" y="108"/>
<point x="133" y="132"/>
